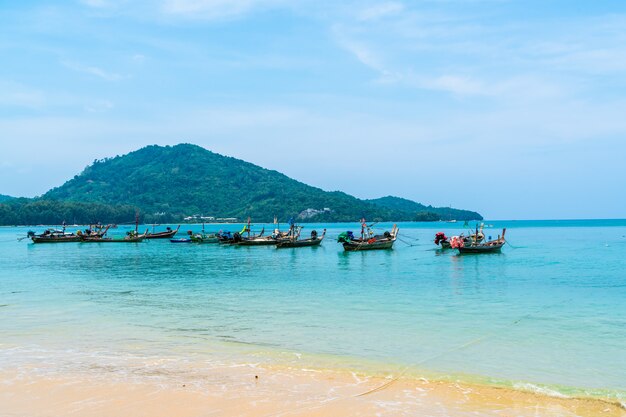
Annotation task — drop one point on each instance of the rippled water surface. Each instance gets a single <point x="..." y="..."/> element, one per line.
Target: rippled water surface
<point x="551" y="309"/>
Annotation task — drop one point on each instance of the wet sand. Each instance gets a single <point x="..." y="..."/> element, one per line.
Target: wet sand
<point x="246" y="390"/>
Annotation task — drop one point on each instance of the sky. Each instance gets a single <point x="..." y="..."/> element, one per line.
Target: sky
<point x="515" y="109"/>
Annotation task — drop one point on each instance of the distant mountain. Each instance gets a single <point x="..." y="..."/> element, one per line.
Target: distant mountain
<point x="169" y="183"/>
<point x="409" y="206"/>
<point x="4" y="198"/>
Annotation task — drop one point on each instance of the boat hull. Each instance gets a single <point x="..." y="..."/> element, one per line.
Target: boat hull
<point x="260" y="242"/>
<point x="112" y="240"/>
<point x="64" y="239"/>
<point x="360" y="246"/>
<point x="164" y="235"/>
<point x="195" y="239"/>
<point x="481" y="249"/>
<point x="298" y="243"/>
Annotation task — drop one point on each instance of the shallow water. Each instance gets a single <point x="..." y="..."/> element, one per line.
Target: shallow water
<point x="548" y="311"/>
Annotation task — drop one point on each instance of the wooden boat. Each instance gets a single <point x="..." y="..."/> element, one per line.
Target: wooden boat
<point x="169" y="233"/>
<point x="251" y="240"/>
<point x="53" y="236"/>
<point x="131" y="237"/>
<point x="492" y="246"/>
<point x="368" y="240"/>
<point x="203" y="237"/>
<point x="257" y="241"/>
<point x="444" y="241"/>
<point x="226" y="238"/>
<point x="246" y="238"/>
<point x="95" y="230"/>
<point x="293" y="240"/>
<point x="181" y="240"/>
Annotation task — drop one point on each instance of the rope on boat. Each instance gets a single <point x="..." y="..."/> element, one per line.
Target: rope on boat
<point x="512" y="247"/>
<point x="408" y="243"/>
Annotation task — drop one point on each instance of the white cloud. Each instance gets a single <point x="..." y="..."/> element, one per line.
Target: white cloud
<point x="93" y="70"/>
<point x="455" y="84"/>
<point x="99" y="106"/>
<point x="215" y="9"/>
<point x="96" y="3"/>
<point x="18" y="95"/>
<point x="381" y="10"/>
<point x="460" y="85"/>
<point x="438" y="49"/>
<point x="364" y="54"/>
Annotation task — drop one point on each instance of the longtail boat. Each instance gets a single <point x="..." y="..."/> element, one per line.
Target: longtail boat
<point x="444" y="241"/>
<point x="53" y="236"/>
<point x="203" y="237"/>
<point x="292" y="240"/>
<point x="491" y="246"/>
<point x="131" y="237"/>
<point x="256" y="241"/>
<point x="169" y="233"/>
<point x="226" y="237"/>
<point x="181" y="240"/>
<point x="368" y="240"/>
<point x="251" y="240"/>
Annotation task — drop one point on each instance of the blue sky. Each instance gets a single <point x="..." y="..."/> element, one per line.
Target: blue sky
<point x="516" y="109"/>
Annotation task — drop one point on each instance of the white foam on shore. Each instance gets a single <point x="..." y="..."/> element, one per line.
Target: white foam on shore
<point x="539" y="390"/>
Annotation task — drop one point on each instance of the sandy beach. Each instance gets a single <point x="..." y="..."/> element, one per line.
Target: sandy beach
<point x="247" y="390"/>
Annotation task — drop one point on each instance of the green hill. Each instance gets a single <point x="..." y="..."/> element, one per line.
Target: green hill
<point x="167" y="184"/>
<point x="4" y="198"/>
<point x="409" y="206"/>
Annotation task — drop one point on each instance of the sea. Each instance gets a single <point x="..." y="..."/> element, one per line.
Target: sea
<point x="547" y="314"/>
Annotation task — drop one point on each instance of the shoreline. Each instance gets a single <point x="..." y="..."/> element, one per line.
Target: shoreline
<point x="277" y="390"/>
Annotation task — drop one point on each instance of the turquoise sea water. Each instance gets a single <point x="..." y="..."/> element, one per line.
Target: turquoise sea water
<point x="550" y="310"/>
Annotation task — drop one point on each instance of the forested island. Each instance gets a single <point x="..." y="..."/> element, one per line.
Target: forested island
<point x="167" y="184"/>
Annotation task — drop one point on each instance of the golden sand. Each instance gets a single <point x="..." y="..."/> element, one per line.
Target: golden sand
<point x="275" y="391"/>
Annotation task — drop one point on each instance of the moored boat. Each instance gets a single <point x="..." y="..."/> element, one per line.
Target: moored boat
<point x="131" y="237"/>
<point x="491" y="246"/>
<point x="53" y="236"/>
<point x="251" y="240"/>
<point x="203" y="237"/>
<point x="256" y="241"/>
<point x="168" y="233"/>
<point x="368" y="240"/>
<point x="445" y="242"/>
<point x="293" y="239"/>
<point x="226" y="237"/>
